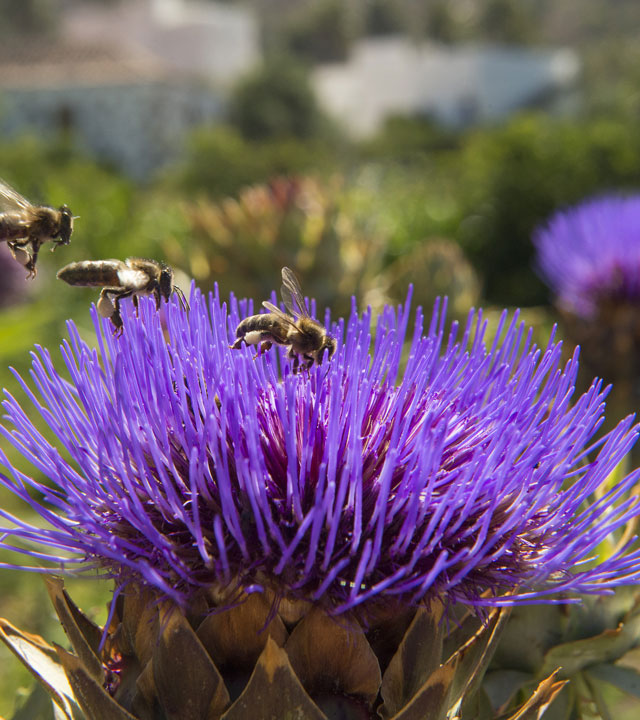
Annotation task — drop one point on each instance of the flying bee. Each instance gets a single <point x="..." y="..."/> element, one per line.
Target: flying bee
<point x="304" y="337"/>
<point x="118" y="280"/>
<point x="25" y="227"/>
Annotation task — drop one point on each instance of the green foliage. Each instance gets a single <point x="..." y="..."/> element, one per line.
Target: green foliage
<point x="514" y="177"/>
<point x="220" y="162"/>
<point x="384" y="17"/>
<point x="276" y="101"/>
<point x="322" y="32"/>
<point x="408" y="139"/>
<point x="27" y="17"/>
<point x="507" y="21"/>
<point x="242" y="243"/>
<point x="594" y="644"/>
<point x="441" y="23"/>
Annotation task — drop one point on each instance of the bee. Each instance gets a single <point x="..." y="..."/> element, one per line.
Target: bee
<point x="118" y="280"/>
<point x="25" y="227"/>
<point x="305" y="338"/>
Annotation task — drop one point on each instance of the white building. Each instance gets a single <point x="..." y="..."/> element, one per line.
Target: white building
<point x="455" y="85"/>
<point x="211" y="40"/>
<point x="128" y="82"/>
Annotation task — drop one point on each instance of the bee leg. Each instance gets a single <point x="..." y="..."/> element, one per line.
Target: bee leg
<point x="135" y="304"/>
<point x="20" y="249"/>
<point x="109" y="305"/>
<point x="33" y="256"/>
<point x="263" y="347"/>
<point x="116" y="318"/>
<point x="31" y="265"/>
<point x="309" y="361"/>
<point x="293" y="356"/>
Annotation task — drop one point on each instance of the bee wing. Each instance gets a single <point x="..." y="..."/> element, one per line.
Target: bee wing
<point x="292" y="295"/>
<point x="12" y="200"/>
<point x="276" y="311"/>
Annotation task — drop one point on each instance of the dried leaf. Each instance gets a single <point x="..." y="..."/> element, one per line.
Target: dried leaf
<point x="273" y="691"/>
<point x="433" y="699"/>
<point x="237" y="636"/>
<point x="542" y="697"/>
<point x="292" y="611"/>
<point x="474" y="656"/>
<point x="70" y="617"/>
<point x="145" y="704"/>
<point x="41" y="660"/>
<point x="418" y="655"/>
<point x="386" y="630"/>
<point x="188" y="684"/>
<point x="95" y="701"/>
<point x="328" y="656"/>
<point x="140" y="622"/>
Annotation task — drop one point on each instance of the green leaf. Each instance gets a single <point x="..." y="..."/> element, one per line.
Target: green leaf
<point x="38" y="704"/>
<point x="624" y="678"/>
<point x="501" y="686"/>
<point x="611" y="645"/>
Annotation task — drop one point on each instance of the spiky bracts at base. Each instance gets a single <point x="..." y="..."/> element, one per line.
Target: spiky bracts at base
<point x="251" y="662"/>
<point x="589" y="255"/>
<point x="465" y="476"/>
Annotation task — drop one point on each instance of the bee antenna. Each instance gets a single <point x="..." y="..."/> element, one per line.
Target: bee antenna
<point x="184" y="304"/>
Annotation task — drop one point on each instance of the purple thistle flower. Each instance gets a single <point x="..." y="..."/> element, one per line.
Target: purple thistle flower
<point x="590" y="253"/>
<point x="182" y="464"/>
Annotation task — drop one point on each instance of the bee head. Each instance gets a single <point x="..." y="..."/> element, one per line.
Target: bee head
<point x="165" y="282"/>
<point x="329" y="346"/>
<point x="66" y="225"/>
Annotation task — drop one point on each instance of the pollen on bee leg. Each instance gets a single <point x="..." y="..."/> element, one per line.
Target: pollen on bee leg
<point x="105" y="307"/>
<point x="21" y="254"/>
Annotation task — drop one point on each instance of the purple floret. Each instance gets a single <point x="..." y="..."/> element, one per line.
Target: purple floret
<point x="458" y="470"/>
<point x="590" y="253"/>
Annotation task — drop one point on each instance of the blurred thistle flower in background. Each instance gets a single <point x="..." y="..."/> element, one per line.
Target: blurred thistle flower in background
<point x="589" y="255"/>
<point x="283" y="541"/>
<point x="12" y="278"/>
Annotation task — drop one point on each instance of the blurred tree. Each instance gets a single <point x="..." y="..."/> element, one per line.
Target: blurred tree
<point x="408" y="139"/>
<point x="28" y="17"/>
<point x="384" y="17"/>
<point x="322" y="32"/>
<point x="507" y="21"/>
<point x="276" y="101"/>
<point x="441" y="23"/>
<point x="219" y="161"/>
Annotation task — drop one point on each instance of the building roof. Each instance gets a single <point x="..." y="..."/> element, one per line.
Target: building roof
<point x="41" y="64"/>
<point x="216" y="41"/>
